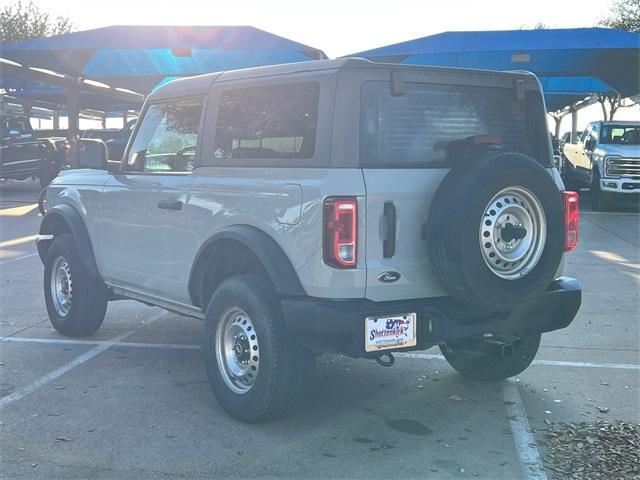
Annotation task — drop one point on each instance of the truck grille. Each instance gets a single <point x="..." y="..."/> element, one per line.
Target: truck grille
<point x="623" y="167"/>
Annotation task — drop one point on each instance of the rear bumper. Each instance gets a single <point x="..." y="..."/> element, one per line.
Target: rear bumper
<point x="338" y="325"/>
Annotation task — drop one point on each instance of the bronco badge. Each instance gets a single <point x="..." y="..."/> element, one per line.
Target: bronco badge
<point x="389" y="277"/>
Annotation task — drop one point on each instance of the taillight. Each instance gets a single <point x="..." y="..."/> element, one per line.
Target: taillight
<point x="66" y="148"/>
<point x="341" y="232"/>
<point x="571" y="218"/>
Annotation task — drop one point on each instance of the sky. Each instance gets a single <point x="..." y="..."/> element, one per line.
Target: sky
<point x="342" y="27"/>
<point x="339" y="27"/>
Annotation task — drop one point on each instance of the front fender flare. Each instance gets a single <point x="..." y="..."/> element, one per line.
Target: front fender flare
<point x="54" y="222"/>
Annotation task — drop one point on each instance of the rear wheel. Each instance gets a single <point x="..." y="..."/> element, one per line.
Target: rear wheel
<point x="49" y="169"/>
<point x="76" y="302"/>
<point x="568" y="177"/>
<point x="254" y="368"/>
<point x="479" y="365"/>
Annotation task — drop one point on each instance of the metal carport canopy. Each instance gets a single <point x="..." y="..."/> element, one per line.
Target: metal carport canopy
<point x="140" y="57"/>
<point x="571" y="63"/>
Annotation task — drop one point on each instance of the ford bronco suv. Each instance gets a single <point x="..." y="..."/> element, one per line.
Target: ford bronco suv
<point x="327" y="206"/>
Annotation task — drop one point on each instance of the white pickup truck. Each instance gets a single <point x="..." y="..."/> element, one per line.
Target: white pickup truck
<point x="606" y="159"/>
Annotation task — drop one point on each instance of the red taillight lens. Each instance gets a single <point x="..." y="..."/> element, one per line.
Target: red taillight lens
<point x="571" y="218"/>
<point x="341" y="232"/>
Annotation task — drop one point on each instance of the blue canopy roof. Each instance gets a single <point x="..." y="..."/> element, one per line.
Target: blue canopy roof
<point x="570" y="62"/>
<point x="140" y="57"/>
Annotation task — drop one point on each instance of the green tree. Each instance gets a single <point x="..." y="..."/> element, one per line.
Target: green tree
<point x="624" y="15"/>
<point x="25" y="20"/>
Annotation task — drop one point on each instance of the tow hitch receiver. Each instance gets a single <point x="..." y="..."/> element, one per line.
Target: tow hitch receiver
<point x="489" y="346"/>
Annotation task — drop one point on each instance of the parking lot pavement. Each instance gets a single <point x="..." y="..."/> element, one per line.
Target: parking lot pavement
<point x="132" y="401"/>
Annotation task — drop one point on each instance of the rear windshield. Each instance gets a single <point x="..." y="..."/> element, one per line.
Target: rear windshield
<point x="415" y="130"/>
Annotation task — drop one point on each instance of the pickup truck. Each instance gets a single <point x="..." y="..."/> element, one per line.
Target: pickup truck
<point x="607" y="160"/>
<point x="23" y="155"/>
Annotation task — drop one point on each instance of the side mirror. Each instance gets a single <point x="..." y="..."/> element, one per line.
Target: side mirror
<point x="88" y="153"/>
<point x="590" y="144"/>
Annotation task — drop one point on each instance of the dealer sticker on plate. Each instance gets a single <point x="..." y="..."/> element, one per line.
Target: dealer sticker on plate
<point x="384" y="333"/>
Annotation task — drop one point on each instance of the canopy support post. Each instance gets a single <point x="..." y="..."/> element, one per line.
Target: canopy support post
<point x="56" y="119"/>
<point x="574" y="124"/>
<point x="73" y="110"/>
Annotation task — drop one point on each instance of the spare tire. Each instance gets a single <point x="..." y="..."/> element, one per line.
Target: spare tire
<point x="495" y="232"/>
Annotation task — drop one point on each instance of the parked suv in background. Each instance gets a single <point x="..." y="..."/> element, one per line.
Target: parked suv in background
<point x="329" y="206"/>
<point x="22" y="155"/>
<point x="606" y="159"/>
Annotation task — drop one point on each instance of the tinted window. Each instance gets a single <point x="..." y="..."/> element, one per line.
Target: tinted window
<point x="271" y="122"/>
<point x="167" y="138"/>
<point x="415" y="130"/>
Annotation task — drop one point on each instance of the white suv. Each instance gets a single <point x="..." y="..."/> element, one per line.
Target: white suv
<point x="328" y="206"/>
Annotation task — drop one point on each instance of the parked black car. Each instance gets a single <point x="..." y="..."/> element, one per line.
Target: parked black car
<point x="23" y="155"/>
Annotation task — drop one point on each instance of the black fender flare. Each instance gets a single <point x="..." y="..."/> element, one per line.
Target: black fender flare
<point x="51" y="225"/>
<point x="278" y="266"/>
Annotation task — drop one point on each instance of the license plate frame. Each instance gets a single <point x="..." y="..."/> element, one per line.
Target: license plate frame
<point x="390" y="332"/>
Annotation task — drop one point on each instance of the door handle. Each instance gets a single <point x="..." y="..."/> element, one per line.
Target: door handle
<point x="389" y="242"/>
<point x="170" y="204"/>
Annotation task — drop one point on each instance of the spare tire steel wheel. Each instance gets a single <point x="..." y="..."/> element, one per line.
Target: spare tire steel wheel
<point x="496" y="231"/>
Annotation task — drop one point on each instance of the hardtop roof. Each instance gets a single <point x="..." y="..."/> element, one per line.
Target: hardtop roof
<point x="201" y="84"/>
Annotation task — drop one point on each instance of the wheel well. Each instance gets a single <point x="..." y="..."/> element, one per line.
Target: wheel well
<point x="51" y="225"/>
<point x="220" y="260"/>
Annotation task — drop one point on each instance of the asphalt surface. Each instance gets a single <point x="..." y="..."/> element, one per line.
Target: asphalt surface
<point x="133" y="401"/>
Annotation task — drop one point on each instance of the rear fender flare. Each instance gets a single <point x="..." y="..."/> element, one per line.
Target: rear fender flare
<point x="276" y="263"/>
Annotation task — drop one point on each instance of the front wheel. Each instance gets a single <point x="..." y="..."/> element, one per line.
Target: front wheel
<point x="600" y="201"/>
<point x="254" y="368"/>
<point x="479" y="365"/>
<point x="76" y="302"/>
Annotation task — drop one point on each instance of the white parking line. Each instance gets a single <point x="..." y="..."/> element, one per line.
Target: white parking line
<point x="21" y="393"/>
<point x="60" y="341"/>
<point x="86" y="356"/>
<point x="187" y="346"/>
<point x="18" y="258"/>
<point x="552" y="363"/>
<point x="532" y="468"/>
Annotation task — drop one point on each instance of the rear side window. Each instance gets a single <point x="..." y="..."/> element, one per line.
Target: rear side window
<point x="269" y="122"/>
<point x="415" y="130"/>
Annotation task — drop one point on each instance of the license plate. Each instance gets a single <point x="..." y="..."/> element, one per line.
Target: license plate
<point x="384" y="333"/>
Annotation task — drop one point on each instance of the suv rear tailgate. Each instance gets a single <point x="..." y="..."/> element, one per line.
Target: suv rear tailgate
<point x="409" y="192"/>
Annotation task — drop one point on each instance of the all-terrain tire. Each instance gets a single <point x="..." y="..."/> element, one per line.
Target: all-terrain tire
<point x="487" y="367"/>
<point x="600" y="201"/>
<point x="282" y="362"/>
<point x="458" y="213"/>
<point x="88" y="296"/>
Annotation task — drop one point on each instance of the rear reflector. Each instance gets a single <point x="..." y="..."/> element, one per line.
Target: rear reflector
<point x="571" y="218"/>
<point x="341" y="232"/>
